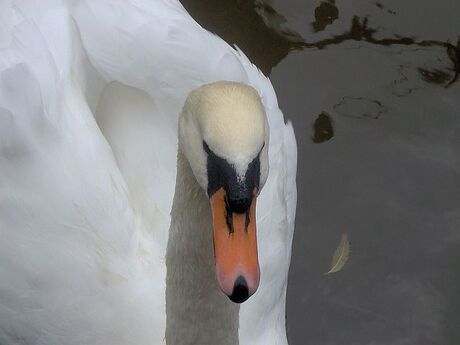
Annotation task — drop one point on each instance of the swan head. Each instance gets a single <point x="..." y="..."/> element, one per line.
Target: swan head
<point x="223" y="132"/>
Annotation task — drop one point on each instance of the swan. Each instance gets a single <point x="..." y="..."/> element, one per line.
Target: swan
<point x="93" y="164"/>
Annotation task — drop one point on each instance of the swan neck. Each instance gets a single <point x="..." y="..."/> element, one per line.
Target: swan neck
<point x="197" y="312"/>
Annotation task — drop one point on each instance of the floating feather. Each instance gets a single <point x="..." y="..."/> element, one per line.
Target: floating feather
<point x="341" y="255"/>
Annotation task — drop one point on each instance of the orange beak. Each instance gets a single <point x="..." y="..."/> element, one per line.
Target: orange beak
<point x="235" y="248"/>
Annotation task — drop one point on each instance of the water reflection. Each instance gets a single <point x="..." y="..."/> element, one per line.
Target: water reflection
<point x="435" y="76"/>
<point x="258" y="30"/>
<point x="454" y="55"/>
<point x="323" y="128"/>
<point x="360" y="31"/>
<point x="326" y="13"/>
<point x="360" y="107"/>
<point x="239" y="22"/>
<point x="382" y="7"/>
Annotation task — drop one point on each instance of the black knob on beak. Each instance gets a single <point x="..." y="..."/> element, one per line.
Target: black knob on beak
<point x="239" y="202"/>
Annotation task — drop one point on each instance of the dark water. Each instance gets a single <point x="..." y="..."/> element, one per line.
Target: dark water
<point x="372" y="89"/>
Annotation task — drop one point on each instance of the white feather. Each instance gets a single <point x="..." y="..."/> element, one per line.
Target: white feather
<point x="90" y="93"/>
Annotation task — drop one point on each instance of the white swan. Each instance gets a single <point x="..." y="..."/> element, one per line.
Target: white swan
<point x="84" y="205"/>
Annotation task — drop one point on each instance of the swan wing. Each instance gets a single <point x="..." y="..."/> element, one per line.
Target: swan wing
<point x="71" y="268"/>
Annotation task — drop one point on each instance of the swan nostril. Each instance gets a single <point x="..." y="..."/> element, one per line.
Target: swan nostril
<point x="240" y="290"/>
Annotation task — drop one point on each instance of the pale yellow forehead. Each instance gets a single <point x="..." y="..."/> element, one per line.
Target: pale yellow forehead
<point x="231" y="118"/>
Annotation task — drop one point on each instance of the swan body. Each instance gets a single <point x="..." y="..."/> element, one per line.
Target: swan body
<point x="90" y="96"/>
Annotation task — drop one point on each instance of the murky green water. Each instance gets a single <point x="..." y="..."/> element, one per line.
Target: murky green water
<point x="372" y="88"/>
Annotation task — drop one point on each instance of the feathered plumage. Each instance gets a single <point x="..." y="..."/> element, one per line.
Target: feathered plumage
<point x="90" y="94"/>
